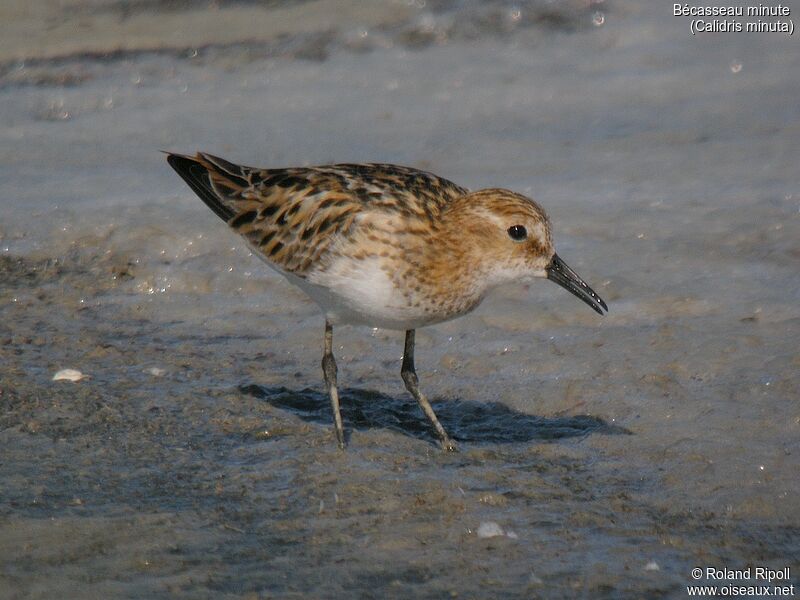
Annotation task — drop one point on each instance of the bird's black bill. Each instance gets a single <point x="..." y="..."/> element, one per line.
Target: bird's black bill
<point x="559" y="272"/>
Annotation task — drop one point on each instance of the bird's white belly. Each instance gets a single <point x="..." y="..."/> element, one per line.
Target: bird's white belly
<point x="360" y="292"/>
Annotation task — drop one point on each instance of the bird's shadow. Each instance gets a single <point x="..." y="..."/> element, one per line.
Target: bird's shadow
<point x="464" y="420"/>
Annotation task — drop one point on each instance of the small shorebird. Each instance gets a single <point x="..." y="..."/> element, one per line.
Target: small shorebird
<point x="382" y="245"/>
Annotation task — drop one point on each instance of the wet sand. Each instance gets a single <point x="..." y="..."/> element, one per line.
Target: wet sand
<point x="197" y="458"/>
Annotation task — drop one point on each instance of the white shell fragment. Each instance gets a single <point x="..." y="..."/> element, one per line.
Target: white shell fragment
<point x="489" y="529"/>
<point x="652" y="566"/>
<point x="72" y="375"/>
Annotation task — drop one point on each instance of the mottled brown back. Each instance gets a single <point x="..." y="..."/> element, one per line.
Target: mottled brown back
<point x="292" y="216"/>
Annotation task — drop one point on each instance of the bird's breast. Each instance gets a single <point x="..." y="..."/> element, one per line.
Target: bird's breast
<point x="379" y="292"/>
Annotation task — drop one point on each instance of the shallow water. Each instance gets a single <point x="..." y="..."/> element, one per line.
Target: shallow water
<point x="197" y="458"/>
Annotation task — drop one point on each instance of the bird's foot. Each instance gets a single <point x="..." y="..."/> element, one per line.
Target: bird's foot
<point x="448" y="445"/>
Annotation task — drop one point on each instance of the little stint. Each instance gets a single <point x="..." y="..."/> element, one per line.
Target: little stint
<point x="382" y="245"/>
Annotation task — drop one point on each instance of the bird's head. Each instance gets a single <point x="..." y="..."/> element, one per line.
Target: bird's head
<point x="508" y="236"/>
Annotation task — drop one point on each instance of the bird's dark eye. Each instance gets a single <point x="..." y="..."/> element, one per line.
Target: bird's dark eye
<point x="517" y="233"/>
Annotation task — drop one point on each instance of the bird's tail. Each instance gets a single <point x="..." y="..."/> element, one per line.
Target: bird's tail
<point x="217" y="182"/>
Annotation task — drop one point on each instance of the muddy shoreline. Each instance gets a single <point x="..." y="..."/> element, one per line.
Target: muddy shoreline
<point x="600" y="458"/>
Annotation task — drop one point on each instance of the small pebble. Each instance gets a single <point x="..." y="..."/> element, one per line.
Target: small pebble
<point x="68" y="375"/>
<point x="652" y="566"/>
<point x="156" y="371"/>
<point x="489" y="529"/>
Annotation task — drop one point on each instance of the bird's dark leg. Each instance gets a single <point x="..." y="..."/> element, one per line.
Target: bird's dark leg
<point x="329" y="371"/>
<point x="409" y="375"/>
